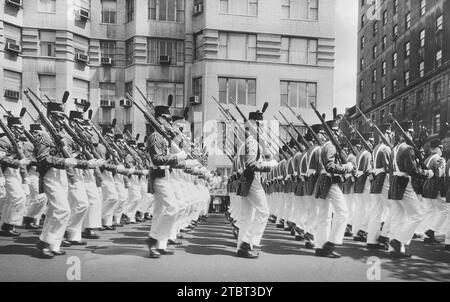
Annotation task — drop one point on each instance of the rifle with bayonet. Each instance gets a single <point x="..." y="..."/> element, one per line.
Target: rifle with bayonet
<point x="363" y="140"/>
<point x="300" y="118"/>
<point x="381" y="135"/>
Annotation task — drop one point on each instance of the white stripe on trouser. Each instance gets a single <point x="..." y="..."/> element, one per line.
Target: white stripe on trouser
<point x="93" y="218"/>
<point x="122" y="195"/>
<point x="14" y="206"/>
<point x="110" y="197"/>
<point x="332" y="229"/>
<point x="58" y="211"/>
<point x="434" y="214"/>
<point x="406" y="216"/>
<point x="36" y="202"/>
<point x="79" y="204"/>
<point x="312" y="209"/>
<point x="378" y="204"/>
<point x="165" y="210"/>
<point x="361" y="214"/>
<point x="254" y="215"/>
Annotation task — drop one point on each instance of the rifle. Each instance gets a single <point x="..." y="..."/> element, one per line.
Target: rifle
<point x="291" y="152"/>
<point x="300" y="118"/>
<point x="382" y="137"/>
<point x="417" y="152"/>
<point x="299" y="146"/>
<point x="364" y="141"/>
<point x="22" y="114"/>
<point x="330" y="134"/>
<point x="304" y="142"/>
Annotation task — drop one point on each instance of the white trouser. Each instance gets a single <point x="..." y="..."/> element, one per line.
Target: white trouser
<point x="406" y="216"/>
<point x="434" y="214"/>
<point x="350" y="199"/>
<point x="93" y="218"/>
<point x="332" y="229"/>
<point x="122" y="194"/>
<point x="378" y="203"/>
<point x="254" y="215"/>
<point x="36" y="202"/>
<point x="299" y="211"/>
<point x="312" y="209"/>
<point x="165" y="210"/>
<point x="361" y="214"/>
<point x="58" y="211"/>
<point x="110" y="198"/>
<point x="14" y="206"/>
<point x="79" y="205"/>
<point x="134" y="198"/>
<point x="446" y="228"/>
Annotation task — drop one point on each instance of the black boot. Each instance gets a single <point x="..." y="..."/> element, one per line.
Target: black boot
<point x="361" y="236"/>
<point x="328" y="251"/>
<point x="397" y="252"/>
<point x="29" y="224"/>
<point x="8" y="231"/>
<point x="147" y="217"/>
<point x="431" y="239"/>
<point x="44" y="250"/>
<point x="90" y="234"/>
<point x="153" y="252"/>
<point x="245" y="251"/>
<point x="348" y="231"/>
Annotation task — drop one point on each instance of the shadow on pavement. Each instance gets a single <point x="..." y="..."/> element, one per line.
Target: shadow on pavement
<point x="16" y="249"/>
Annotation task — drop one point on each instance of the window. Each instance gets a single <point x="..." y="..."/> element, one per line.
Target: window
<point x="439" y="23"/>
<point x="128" y="89"/>
<point x="80" y="44"/>
<point x="363" y="42"/>
<point x="199" y="46"/>
<point x="159" y="92"/>
<point x="374" y="76"/>
<point x="108" y="49"/>
<point x="299" y="9"/>
<point x="405" y="105"/>
<point x="237" y="46"/>
<point x="423" y="7"/>
<point x="395" y="31"/>
<point x="47" y="6"/>
<point x="374" y="97"/>
<point x="129" y="52"/>
<point x="375" y="48"/>
<point x="197" y="88"/>
<point x="130" y="10"/>
<point x="395" y="6"/>
<point x="361" y="64"/>
<point x="385" y="15"/>
<point x="436" y="122"/>
<point x="419" y="100"/>
<point x="394" y="86"/>
<point x="361" y="85"/>
<point x="363" y="20"/>
<point x="394" y="59"/>
<point x="384" y="42"/>
<point x="13" y="34"/>
<point x="243" y="91"/>
<point x="12" y="81"/>
<point x="166" y="10"/>
<point x="47" y="86"/>
<point x="407" y="49"/>
<point x="408" y="21"/>
<point x="421" y="69"/>
<point x="437" y="91"/>
<point x="383" y="92"/>
<point x="109" y="11"/>
<point x="392" y="109"/>
<point x="80" y="89"/>
<point x="239" y="7"/>
<point x="439" y="58"/>
<point x="381" y="115"/>
<point x="375" y="28"/>
<point x="164" y="47"/>
<point x="298" y="94"/>
<point x="47" y="43"/>
<point x="422" y="38"/>
<point x="407" y="78"/>
<point x="383" y="68"/>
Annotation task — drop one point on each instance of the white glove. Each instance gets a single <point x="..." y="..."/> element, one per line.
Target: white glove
<point x="2" y="181"/>
<point x="429" y="174"/>
<point x="145" y="172"/>
<point x="121" y="169"/>
<point x="348" y="167"/>
<point x="100" y="162"/>
<point x="2" y="154"/>
<point x="93" y="163"/>
<point x="181" y="156"/>
<point x="24" y="162"/>
<point x="131" y="170"/>
<point x="70" y="162"/>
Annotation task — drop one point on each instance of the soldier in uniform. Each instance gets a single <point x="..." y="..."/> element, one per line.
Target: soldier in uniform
<point x="15" y="203"/>
<point x="254" y="208"/>
<point x="434" y="204"/>
<point x="165" y="209"/>
<point x="379" y="187"/>
<point x="407" y="212"/>
<point x="330" y="230"/>
<point x="348" y="186"/>
<point x="52" y="169"/>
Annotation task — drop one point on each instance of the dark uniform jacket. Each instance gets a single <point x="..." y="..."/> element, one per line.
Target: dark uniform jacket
<point x="333" y="170"/>
<point x="403" y="167"/>
<point x="301" y="170"/>
<point x="381" y="163"/>
<point x="314" y="169"/>
<point x="447" y="181"/>
<point x="10" y="160"/>
<point x="349" y="182"/>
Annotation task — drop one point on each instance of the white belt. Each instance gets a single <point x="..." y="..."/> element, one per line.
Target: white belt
<point x="357" y="174"/>
<point x="403" y="174"/>
<point x="162" y="167"/>
<point x="348" y="175"/>
<point x="378" y="171"/>
<point x="310" y="172"/>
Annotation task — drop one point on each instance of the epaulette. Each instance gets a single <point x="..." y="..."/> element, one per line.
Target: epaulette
<point x="43" y="138"/>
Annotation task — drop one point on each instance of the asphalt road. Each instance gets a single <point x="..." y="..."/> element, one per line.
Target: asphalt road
<point x="208" y="254"/>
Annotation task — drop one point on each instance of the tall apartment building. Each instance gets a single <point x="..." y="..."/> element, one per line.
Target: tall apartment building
<point x="404" y="54"/>
<point x="250" y="50"/>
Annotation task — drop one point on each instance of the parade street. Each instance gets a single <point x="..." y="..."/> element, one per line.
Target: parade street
<point x="208" y="254"/>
